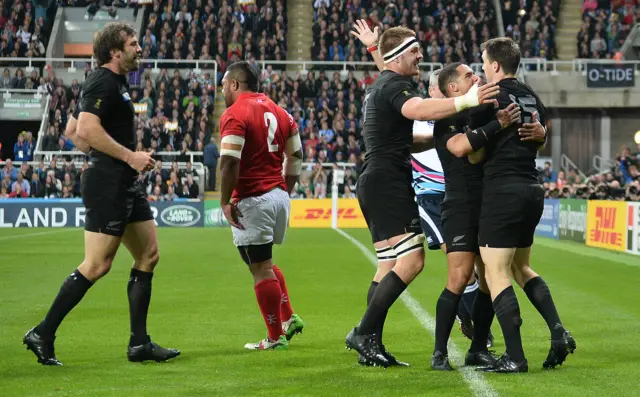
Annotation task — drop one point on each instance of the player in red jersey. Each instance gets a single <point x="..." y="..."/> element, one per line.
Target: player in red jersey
<point x="257" y="137"/>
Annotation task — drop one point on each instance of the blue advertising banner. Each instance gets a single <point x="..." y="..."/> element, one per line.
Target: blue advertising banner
<point x="548" y="226"/>
<point x="71" y="213"/>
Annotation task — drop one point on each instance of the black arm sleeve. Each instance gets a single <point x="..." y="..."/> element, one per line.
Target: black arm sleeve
<point x="95" y="98"/>
<point x="398" y="91"/>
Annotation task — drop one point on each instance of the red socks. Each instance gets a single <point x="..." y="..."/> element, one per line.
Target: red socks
<point x="285" y="309"/>
<point x="269" y="297"/>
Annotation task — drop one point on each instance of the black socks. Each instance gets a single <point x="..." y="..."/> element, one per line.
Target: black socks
<point x="73" y="289"/>
<point x="139" y="292"/>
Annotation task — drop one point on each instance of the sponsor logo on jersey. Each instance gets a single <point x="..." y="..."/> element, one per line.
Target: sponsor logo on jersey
<point x="180" y="216"/>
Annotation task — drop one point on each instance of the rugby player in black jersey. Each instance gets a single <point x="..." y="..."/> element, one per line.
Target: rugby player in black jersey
<point x="460" y="216"/>
<point x="117" y="209"/>
<point x="512" y="205"/>
<point x="384" y="188"/>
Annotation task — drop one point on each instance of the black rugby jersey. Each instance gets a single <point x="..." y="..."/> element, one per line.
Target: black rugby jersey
<point x="460" y="175"/>
<point x="106" y="95"/>
<point x="507" y="158"/>
<point x="388" y="135"/>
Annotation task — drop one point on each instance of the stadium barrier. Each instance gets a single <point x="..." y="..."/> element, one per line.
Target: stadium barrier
<point x="612" y="225"/>
<point x="53" y="213"/>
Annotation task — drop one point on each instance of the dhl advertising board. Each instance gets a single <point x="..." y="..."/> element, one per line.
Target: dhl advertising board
<point x="607" y="224"/>
<point x="317" y="214"/>
<point x="633" y="228"/>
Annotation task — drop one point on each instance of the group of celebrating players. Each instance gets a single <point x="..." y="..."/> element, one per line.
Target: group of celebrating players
<point x="471" y="187"/>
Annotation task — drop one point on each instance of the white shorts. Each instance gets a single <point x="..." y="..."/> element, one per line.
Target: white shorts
<point x="265" y="219"/>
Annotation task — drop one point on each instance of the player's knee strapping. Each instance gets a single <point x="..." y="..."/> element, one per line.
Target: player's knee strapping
<point x="385" y="254"/>
<point x="409" y="244"/>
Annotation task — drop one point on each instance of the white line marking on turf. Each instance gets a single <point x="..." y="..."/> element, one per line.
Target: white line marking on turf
<point x="61" y="230"/>
<point x="477" y="383"/>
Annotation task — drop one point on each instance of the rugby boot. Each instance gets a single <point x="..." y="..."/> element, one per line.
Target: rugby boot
<point x="560" y="349"/>
<point x="466" y="326"/>
<point x="150" y="351"/>
<point x="42" y="348"/>
<point x="268" y="344"/>
<point x="367" y="347"/>
<point x="292" y="326"/>
<point x="391" y="358"/>
<point x="505" y="365"/>
<point x="440" y="362"/>
<point x="480" y="359"/>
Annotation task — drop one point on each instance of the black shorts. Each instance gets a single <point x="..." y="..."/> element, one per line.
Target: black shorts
<point x="510" y="214"/>
<point x="388" y="205"/>
<point x="430" y="219"/>
<point x="460" y="218"/>
<point x="112" y="200"/>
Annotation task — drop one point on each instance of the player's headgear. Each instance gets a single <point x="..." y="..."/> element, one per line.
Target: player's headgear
<point x="244" y="73"/>
<point x="111" y="38"/>
<point x="505" y="52"/>
<point x="396" y="41"/>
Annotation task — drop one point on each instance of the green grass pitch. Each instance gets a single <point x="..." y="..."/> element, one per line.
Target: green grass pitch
<point x="203" y="303"/>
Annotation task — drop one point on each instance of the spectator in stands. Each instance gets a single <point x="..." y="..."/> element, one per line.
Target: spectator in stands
<point x="157" y="183"/>
<point x="9" y="171"/>
<point x="20" y="149"/>
<point x="67" y="192"/>
<point x="18" y="193"/>
<point x="3" y="193"/>
<point x="155" y="195"/>
<point x="548" y="174"/>
<point x="19" y="81"/>
<point x="170" y="196"/>
<point x="37" y="187"/>
<point x="211" y="156"/>
<point x="22" y="184"/>
<point x="5" y="82"/>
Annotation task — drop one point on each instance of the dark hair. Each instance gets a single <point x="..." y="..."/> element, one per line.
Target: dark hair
<point x="112" y="37"/>
<point x="448" y="75"/>
<point x="505" y="51"/>
<point x="243" y="72"/>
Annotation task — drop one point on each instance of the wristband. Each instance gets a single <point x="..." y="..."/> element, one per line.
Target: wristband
<point x="480" y="136"/>
<point x="468" y="100"/>
<point x="372" y="48"/>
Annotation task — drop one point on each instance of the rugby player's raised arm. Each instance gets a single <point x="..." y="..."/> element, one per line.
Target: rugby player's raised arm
<point x="438" y="109"/>
<point x="370" y="39"/>
<point x="473" y="141"/>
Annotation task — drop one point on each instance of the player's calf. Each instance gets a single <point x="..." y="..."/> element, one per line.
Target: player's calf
<point x="460" y="267"/>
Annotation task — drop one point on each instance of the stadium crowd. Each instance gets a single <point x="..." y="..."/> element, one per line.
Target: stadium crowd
<point x="606" y="25"/>
<point x="449" y="31"/>
<point x="220" y="30"/>
<point x="622" y="182"/>
<point x="532" y="25"/>
<point x="25" y="27"/>
<point x="62" y="180"/>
